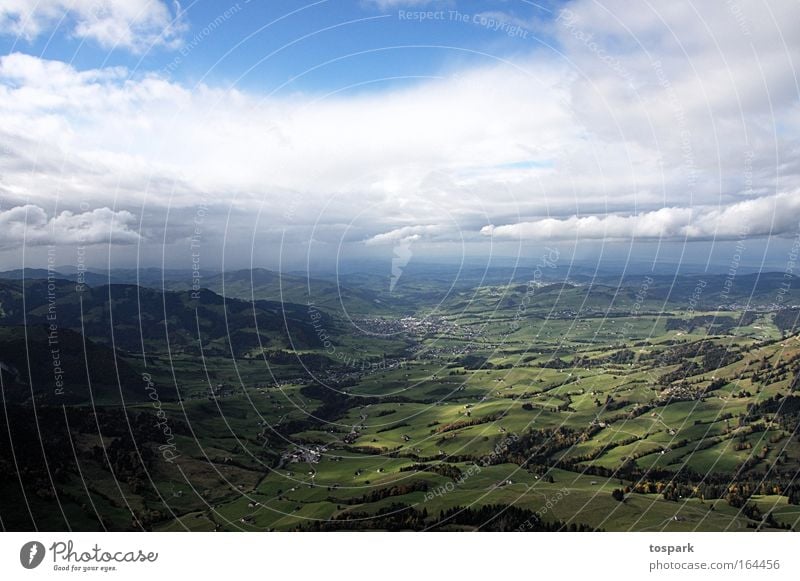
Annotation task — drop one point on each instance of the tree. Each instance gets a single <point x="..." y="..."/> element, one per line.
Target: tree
<point x="618" y="494"/>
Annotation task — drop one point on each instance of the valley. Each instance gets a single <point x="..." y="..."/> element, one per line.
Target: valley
<point x="541" y="405"/>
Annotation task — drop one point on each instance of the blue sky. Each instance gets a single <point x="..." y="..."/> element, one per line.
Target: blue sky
<point x="305" y="133"/>
<point x="261" y="45"/>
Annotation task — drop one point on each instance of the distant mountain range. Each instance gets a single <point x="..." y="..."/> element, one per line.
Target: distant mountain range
<point x="427" y="285"/>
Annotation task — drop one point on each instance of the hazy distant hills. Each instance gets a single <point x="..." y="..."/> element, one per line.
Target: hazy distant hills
<point x="263" y="284"/>
<point x="768" y="289"/>
<point x="255" y="284"/>
<point x="353" y="295"/>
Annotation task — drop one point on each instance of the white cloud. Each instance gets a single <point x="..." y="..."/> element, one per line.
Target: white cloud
<point x="659" y="121"/>
<point x="406" y="234"/>
<point x="236" y="144"/>
<point x="130" y="24"/>
<point x="702" y="84"/>
<point x="772" y="215"/>
<point x="30" y="225"/>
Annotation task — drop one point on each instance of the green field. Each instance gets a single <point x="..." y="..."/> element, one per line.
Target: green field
<point x="587" y="410"/>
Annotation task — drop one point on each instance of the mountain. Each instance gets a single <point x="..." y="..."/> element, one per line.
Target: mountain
<point x="133" y="318"/>
<point x="263" y="284"/>
<point x="62" y="367"/>
<point x="24" y="273"/>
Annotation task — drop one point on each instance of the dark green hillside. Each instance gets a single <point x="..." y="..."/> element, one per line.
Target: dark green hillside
<point x="61" y="367"/>
<point x="131" y="317"/>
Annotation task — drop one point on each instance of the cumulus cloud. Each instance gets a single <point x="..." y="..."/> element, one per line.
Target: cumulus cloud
<point x="406" y="234"/>
<point x="130" y="24"/>
<point x="678" y="79"/>
<point x="659" y="122"/>
<point x="771" y="215"/>
<point x="235" y="144"/>
<point x="30" y="225"/>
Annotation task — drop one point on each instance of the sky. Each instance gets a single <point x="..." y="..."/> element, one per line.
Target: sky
<point x="293" y="134"/>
